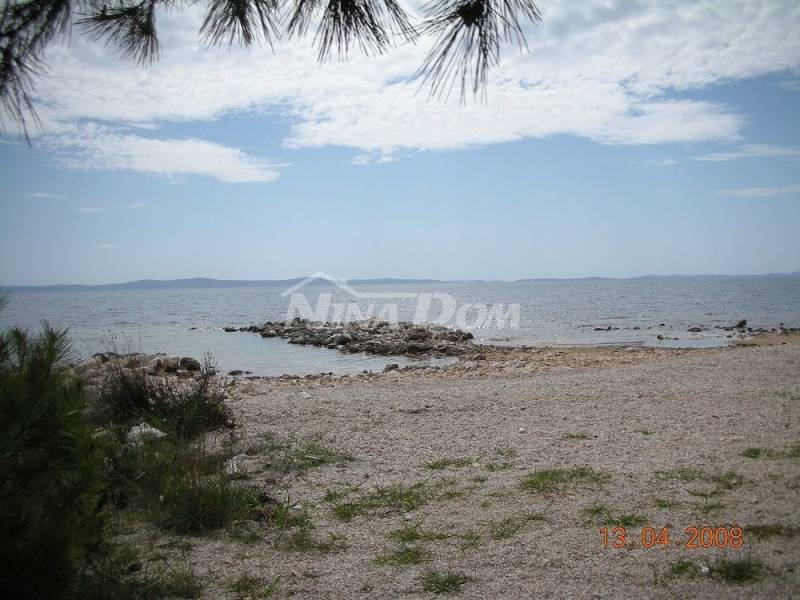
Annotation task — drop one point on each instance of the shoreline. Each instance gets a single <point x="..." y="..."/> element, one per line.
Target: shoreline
<point x="671" y="435"/>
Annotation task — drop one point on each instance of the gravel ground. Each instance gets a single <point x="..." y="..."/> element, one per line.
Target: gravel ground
<point x="659" y="427"/>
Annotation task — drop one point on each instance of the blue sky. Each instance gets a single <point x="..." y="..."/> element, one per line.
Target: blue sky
<point x="644" y="139"/>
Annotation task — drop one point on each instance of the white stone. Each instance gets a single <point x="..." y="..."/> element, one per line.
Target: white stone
<point x="143" y="431"/>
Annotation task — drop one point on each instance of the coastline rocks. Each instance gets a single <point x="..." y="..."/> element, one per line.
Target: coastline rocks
<point x="370" y="336"/>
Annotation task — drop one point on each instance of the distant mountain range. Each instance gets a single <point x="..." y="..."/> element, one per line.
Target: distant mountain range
<point x="206" y="282"/>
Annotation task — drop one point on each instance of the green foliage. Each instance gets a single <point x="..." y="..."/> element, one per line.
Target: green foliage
<point x="400" y="497"/>
<point x="403" y="556"/>
<point x="448" y="582"/>
<point x="50" y="469"/>
<point x="738" y="570"/>
<point x="296" y="455"/>
<point x="765" y="532"/>
<point x="552" y="480"/>
<point x="684" y="568"/>
<point x="444" y="463"/>
<point x="130" y="396"/>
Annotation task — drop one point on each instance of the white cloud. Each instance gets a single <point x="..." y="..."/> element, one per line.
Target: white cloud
<point x="92" y="146"/>
<point x="752" y="151"/>
<point x="87" y="210"/>
<point x="762" y="192"/>
<point x="106" y="246"/>
<point x="660" y="162"/>
<point x="136" y="205"/>
<point x="609" y="73"/>
<point x="45" y="195"/>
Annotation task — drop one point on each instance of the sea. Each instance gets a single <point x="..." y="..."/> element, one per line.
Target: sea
<point x="190" y="321"/>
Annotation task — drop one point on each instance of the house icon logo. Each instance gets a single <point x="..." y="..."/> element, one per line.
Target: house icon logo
<point x="437" y="308"/>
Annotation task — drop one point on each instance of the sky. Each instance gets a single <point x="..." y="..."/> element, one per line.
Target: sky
<point x="632" y="138"/>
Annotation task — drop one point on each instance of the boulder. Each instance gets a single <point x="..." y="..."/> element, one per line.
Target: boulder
<point x="391" y="367"/>
<point x="189" y="363"/>
<point x="143" y="431"/>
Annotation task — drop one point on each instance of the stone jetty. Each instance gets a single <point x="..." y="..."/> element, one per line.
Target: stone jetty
<point x="371" y="336"/>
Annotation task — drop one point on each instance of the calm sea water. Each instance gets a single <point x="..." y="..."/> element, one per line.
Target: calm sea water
<point x="189" y="321"/>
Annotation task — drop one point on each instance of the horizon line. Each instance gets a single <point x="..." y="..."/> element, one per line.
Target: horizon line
<point x="23" y="287"/>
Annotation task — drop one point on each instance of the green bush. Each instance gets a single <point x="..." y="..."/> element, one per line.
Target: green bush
<point x="50" y="470"/>
<point x="130" y="396"/>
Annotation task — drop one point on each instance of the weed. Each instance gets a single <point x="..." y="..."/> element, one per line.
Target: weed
<point x="296" y="455"/>
<point x="402" y="556"/>
<point x="737" y="570"/>
<point x="602" y="514"/>
<point x="765" y="532"/>
<point x="684" y="568"/>
<point x="506" y="452"/>
<point x="448" y="582"/>
<point x="398" y="497"/>
<point x="553" y="480"/>
<point x="254" y="588"/>
<point x="684" y="475"/>
<point x="444" y="463"/>
<point x="665" y="503"/>
<point x="470" y="540"/>
<point x="575" y="436"/>
<point x="415" y="533"/>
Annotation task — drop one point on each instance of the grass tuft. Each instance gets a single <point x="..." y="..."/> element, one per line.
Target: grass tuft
<point x="737" y="570"/>
<point x="448" y="582"/>
<point x="444" y="463"/>
<point x="553" y="480"/>
<point x="403" y="556"/>
<point x="765" y="532"/>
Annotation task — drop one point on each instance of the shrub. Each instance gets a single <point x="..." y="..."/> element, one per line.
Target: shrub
<point x="129" y="396"/>
<point x="50" y="469"/>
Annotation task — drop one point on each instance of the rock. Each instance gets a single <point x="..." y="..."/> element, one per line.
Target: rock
<point x="695" y="329"/>
<point x="189" y="363"/>
<point x="659" y="337"/>
<point x="523" y="430"/>
<point x="235" y="372"/>
<point x="391" y="367"/>
<point x="143" y="431"/>
<point x="154" y="367"/>
<point x="305" y="395"/>
<point x="235" y="464"/>
<point x="741" y="324"/>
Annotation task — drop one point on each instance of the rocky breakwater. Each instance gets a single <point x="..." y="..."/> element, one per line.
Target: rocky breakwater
<point x="372" y="337"/>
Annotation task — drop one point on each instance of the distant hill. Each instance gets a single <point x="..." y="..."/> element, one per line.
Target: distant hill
<point x="194" y="282"/>
<point x="207" y="282"/>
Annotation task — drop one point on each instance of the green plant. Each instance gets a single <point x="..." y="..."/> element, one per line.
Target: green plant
<point x="444" y="463"/>
<point x="254" y="588"/>
<point x="448" y="582"/>
<point x="684" y="568"/>
<point x="415" y="533"/>
<point x="130" y="396"/>
<point x="575" y="436"/>
<point x="552" y="480"/>
<point x="195" y="502"/>
<point x="51" y="474"/>
<point x="684" y="475"/>
<point x="403" y="555"/>
<point x="764" y="532"/>
<point x="737" y="570"/>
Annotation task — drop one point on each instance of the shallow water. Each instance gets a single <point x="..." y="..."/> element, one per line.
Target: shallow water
<point x="189" y="321"/>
